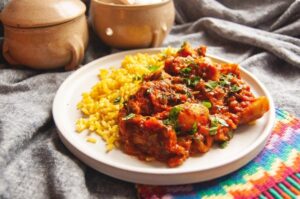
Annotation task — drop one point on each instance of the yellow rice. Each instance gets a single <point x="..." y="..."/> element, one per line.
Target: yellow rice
<point x="91" y="140"/>
<point x="100" y="106"/>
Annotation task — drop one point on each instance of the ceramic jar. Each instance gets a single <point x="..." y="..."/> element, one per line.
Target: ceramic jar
<point x="44" y="34"/>
<point x="132" y="26"/>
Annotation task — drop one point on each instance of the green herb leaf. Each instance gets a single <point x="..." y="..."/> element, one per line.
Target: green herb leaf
<point x="213" y="130"/>
<point x="174" y="112"/>
<point x="224" y="82"/>
<point x="192" y="82"/>
<point x="153" y="68"/>
<point x="197" y="138"/>
<point x="130" y="116"/>
<point x="167" y="122"/>
<point x="195" y="81"/>
<point x="229" y="76"/>
<point x="225" y="79"/>
<point x="117" y="100"/>
<point x="194" y="128"/>
<point x="172" y="119"/>
<point x="213" y="126"/>
<point x="221" y="121"/>
<point x="235" y="88"/>
<point x="223" y="144"/>
<point x="211" y="85"/>
<point x="189" y="94"/>
<point x="188" y="81"/>
<point x="176" y="127"/>
<point x="186" y="70"/>
<point x="207" y="104"/>
<point x="214" y="121"/>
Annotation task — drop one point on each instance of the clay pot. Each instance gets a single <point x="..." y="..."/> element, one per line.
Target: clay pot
<point x="44" y="34"/>
<point x="132" y="26"/>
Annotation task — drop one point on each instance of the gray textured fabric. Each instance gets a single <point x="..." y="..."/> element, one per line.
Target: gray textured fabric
<point x="263" y="36"/>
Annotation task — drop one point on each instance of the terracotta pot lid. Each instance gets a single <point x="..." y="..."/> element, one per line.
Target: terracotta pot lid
<point x="40" y="13"/>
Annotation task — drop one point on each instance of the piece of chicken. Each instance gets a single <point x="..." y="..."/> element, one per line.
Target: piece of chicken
<point x="255" y="110"/>
<point x="191" y="114"/>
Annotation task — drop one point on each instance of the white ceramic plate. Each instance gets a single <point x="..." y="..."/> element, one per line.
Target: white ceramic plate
<point x="246" y="144"/>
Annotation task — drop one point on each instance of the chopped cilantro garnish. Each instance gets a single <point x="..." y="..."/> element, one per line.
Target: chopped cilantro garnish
<point x="186" y="70"/>
<point x="194" y="128"/>
<point x="214" y="121"/>
<point x="188" y="81"/>
<point x="211" y="85"/>
<point x="192" y="82"/>
<point x="195" y="81"/>
<point x="167" y="122"/>
<point x="213" y="130"/>
<point x="130" y="116"/>
<point x="225" y="80"/>
<point x="229" y="76"/>
<point x="224" y="83"/>
<point x="223" y="144"/>
<point x="189" y="94"/>
<point x="235" y="88"/>
<point x="172" y="119"/>
<point x="153" y="68"/>
<point x="176" y="127"/>
<point x="117" y="100"/>
<point x="221" y="121"/>
<point x="173" y="115"/>
<point x="197" y="138"/>
<point x="206" y="103"/>
<point x="213" y="126"/>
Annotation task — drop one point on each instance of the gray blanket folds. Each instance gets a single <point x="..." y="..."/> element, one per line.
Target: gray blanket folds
<point x="262" y="36"/>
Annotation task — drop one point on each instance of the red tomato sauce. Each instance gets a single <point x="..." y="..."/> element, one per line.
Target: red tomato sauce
<point x="185" y="108"/>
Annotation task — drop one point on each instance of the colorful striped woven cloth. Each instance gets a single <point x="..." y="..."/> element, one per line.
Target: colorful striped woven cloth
<point x="274" y="173"/>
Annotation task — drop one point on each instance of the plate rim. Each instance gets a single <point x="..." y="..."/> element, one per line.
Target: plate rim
<point x="161" y="171"/>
